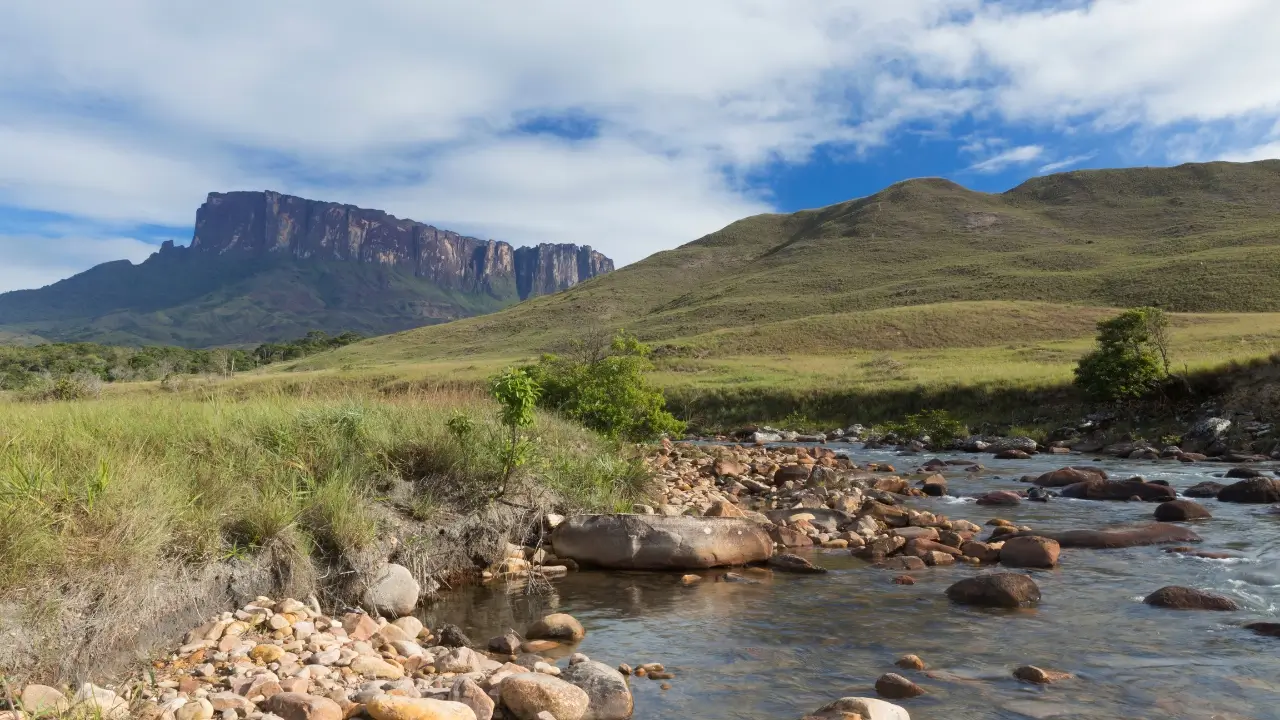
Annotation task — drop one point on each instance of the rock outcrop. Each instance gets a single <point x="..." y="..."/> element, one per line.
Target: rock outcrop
<point x="261" y="223"/>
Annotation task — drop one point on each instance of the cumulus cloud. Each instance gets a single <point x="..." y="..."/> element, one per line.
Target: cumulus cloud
<point x="129" y="112"/>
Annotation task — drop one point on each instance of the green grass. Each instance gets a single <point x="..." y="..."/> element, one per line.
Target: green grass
<point x="144" y="485"/>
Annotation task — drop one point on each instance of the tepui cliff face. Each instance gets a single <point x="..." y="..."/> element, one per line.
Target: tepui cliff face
<point x="269" y="222"/>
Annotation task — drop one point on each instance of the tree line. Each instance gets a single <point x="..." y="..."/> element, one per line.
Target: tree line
<point x="22" y="367"/>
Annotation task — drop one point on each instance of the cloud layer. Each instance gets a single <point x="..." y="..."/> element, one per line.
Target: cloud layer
<point x="631" y="127"/>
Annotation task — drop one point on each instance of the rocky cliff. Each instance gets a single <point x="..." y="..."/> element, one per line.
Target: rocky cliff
<point x="269" y="222"/>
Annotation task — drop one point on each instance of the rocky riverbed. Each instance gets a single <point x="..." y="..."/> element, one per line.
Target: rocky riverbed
<point x="886" y="586"/>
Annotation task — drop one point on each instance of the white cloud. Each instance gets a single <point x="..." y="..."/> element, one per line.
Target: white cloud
<point x="130" y="111"/>
<point x="1021" y="155"/>
<point x="32" y="261"/>
<point x="1066" y="162"/>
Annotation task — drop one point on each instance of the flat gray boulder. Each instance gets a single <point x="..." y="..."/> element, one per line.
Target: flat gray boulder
<point x="656" y="542"/>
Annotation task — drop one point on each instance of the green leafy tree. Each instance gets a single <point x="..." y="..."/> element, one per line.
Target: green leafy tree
<point x="1131" y="358"/>
<point x="604" y="387"/>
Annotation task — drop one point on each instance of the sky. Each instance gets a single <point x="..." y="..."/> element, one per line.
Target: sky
<point x="632" y="127"/>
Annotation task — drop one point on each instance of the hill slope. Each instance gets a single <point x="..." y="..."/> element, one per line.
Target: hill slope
<point x="266" y="267"/>
<point x="1194" y="238"/>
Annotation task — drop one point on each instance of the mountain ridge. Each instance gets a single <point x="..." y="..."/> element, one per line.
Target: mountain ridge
<point x="263" y="266"/>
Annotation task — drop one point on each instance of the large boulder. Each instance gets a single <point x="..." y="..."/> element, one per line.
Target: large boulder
<point x="393" y="592"/>
<point x="1204" y="434"/>
<point x="1152" y="534"/>
<point x="1184" y="598"/>
<point x="527" y="694"/>
<point x="608" y="693"/>
<point x="1254" y="490"/>
<point x="1063" y="477"/>
<point x="1206" y="489"/>
<point x="866" y="708"/>
<point x="1000" y="590"/>
<point x="656" y="542"/>
<point x="1097" y="489"/>
<point x="1032" y="551"/>
<point x="1181" y="510"/>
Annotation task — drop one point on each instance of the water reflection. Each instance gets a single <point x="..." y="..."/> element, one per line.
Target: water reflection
<point x="784" y="645"/>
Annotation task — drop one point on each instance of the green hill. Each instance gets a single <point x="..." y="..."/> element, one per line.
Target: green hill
<point x="1043" y="261"/>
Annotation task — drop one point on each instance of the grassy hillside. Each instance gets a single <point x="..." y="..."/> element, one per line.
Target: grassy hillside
<point x="901" y="269"/>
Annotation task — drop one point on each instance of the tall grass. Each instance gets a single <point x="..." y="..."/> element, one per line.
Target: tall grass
<point x="133" y="483"/>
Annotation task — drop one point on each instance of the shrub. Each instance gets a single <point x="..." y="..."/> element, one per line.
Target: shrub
<point x="605" y="389"/>
<point x="937" y="425"/>
<point x="1131" y="357"/>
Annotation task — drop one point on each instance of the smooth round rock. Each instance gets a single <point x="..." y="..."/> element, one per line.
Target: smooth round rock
<point x="1030" y="552"/>
<point x="1175" y="597"/>
<point x="997" y="590"/>
<point x="393" y="593"/>
<point x="1181" y="511"/>
<point x="527" y="694"/>
<point x="558" y="626"/>
<point x="895" y="687"/>
<point x="389" y="707"/>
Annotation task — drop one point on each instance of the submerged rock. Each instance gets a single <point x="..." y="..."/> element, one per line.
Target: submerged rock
<point x="896" y="687"/>
<point x="1097" y="489"/>
<point x="635" y="542"/>
<point x="558" y="626"/>
<point x="1181" y="510"/>
<point x="1000" y="497"/>
<point x="1039" y="676"/>
<point x="1174" y="597"/>
<point x="1152" y="534"/>
<point x="1000" y="590"/>
<point x="787" y="562"/>
<point x="1207" y="489"/>
<point x="1255" y="490"/>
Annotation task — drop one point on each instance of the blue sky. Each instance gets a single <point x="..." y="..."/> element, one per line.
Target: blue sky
<point x="632" y="127"/>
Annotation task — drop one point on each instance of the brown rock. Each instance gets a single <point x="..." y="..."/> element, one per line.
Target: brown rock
<point x="359" y="626"/>
<point x="1181" y="510"/>
<point x="1255" y="490"/>
<point x="655" y="542"/>
<point x="1063" y="477"/>
<point x="295" y="706"/>
<point x="1000" y="497"/>
<point x="792" y="473"/>
<point x="1152" y="534"/>
<point x="1029" y="552"/>
<point x="528" y="694"/>
<point x="910" y="662"/>
<point x="1183" y="598"/>
<point x="467" y="692"/>
<point x="1003" y="590"/>
<point x="1097" y="489"/>
<point x="896" y="687"/>
<point x="787" y="537"/>
<point x="787" y="562"/>
<point x="904" y="580"/>
<point x="390" y="707"/>
<point x="723" y="508"/>
<point x="1038" y="676"/>
<point x="557" y="627"/>
<point x="980" y="551"/>
<point x="901" y="563"/>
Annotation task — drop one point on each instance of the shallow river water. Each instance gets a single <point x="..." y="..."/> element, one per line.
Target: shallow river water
<point x="786" y="646"/>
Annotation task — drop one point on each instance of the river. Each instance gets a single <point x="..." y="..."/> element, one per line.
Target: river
<point x="784" y="646"/>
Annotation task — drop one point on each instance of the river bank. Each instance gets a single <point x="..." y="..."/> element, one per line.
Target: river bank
<point x="763" y="642"/>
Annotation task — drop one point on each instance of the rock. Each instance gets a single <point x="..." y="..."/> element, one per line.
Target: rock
<point x="1181" y="510"/>
<point x="266" y="654"/>
<point x="390" y="707"/>
<point x="376" y="668"/>
<point x="904" y="580"/>
<point x="910" y="662"/>
<point x="43" y="700"/>
<point x="1002" y="590"/>
<point x="792" y="473"/>
<point x="1038" y="494"/>
<point x="865" y="708"/>
<point x="787" y="562"/>
<point x="1244" y="472"/>
<point x="1266" y="629"/>
<point x="896" y="687"/>
<point x="1013" y="454"/>
<point x="1152" y="534"/>
<point x="467" y="692"/>
<point x="1255" y="490"/>
<point x="458" y="660"/>
<point x="1000" y="497"/>
<point x="609" y="696"/>
<point x="723" y="508"/>
<point x="1062" y="477"/>
<point x="788" y="538"/>
<point x="393" y="592"/>
<point x="100" y="703"/>
<point x="197" y="709"/>
<point x="1205" y="489"/>
<point x="453" y="637"/>
<point x="724" y="467"/>
<point x="1031" y="551"/>
<point x="980" y="551"/>
<point x="1183" y="598"/>
<point x="1038" y="676"/>
<point x="559" y="626"/>
<point x="508" y="644"/>
<point x="636" y="542"/>
<point x="538" y="646"/>
<point x="903" y="563"/>
<point x="917" y="533"/>
<point x="528" y="694"/>
<point x="1097" y="489"/>
<point x="296" y="706"/>
<point x="1205" y="433"/>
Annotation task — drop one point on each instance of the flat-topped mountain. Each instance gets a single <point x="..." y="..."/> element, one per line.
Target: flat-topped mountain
<point x="263" y="266"/>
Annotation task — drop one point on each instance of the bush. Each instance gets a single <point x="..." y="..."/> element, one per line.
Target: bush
<point x="604" y="388"/>
<point x="937" y="425"/>
<point x="1131" y="357"/>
